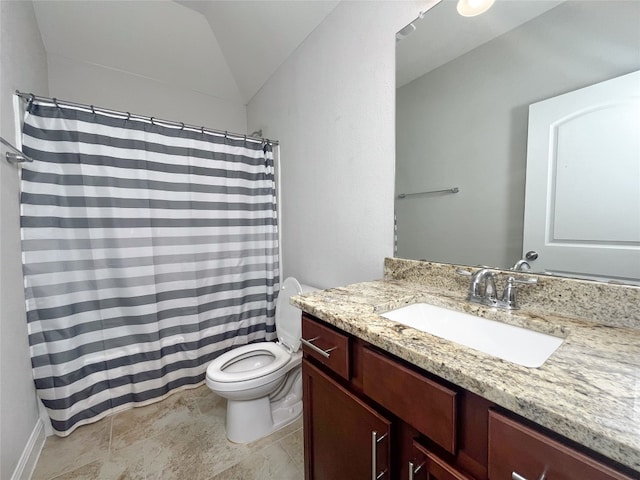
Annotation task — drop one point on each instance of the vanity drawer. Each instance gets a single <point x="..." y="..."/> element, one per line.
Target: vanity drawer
<point x="426" y="465"/>
<point x="327" y="346"/>
<point x="426" y="405"/>
<point x="515" y="449"/>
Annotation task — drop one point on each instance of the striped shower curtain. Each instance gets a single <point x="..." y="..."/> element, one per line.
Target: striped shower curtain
<point x="148" y="250"/>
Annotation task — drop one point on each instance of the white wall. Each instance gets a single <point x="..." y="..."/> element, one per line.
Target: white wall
<point x="24" y="67"/>
<point x="93" y="84"/>
<point x="465" y="124"/>
<point x="332" y="106"/>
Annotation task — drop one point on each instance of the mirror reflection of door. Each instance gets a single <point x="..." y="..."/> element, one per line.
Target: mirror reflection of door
<point x="462" y="116"/>
<point x="582" y="212"/>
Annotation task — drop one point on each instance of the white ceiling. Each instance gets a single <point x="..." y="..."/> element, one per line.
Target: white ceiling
<point x="225" y="49"/>
<point x="257" y="36"/>
<point x="228" y="49"/>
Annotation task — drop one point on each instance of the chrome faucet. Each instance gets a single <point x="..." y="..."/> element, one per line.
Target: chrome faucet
<point x="482" y="288"/>
<point x="521" y="265"/>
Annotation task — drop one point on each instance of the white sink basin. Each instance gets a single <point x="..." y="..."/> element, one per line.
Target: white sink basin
<point x="515" y="344"/>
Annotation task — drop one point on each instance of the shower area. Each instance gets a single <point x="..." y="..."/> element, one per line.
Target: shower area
<point x="149" y="248"/>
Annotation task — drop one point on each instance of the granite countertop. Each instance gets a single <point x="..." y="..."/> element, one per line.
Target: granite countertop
<point x="588" y="390"/>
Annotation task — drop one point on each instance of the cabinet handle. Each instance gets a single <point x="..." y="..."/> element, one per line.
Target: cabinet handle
<point x="374" y="455"/>
<point x="324" y="353"/>
<point x="413" y="471"/>
<point x="517" y="476"/>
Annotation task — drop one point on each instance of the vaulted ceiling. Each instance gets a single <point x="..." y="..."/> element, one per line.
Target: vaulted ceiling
<point x="225" y="49"/>
<point x="229" y="48"/>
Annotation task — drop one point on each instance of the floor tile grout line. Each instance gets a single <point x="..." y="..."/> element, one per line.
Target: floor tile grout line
<point x="293" y="460"/>
<point x="255" y="451"/>
<point x="71" y="469"/>
<point x="110" y="434"/>
<point x="298" y="468"/>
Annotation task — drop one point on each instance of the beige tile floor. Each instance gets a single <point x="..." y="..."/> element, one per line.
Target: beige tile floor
<point x="181" y="437"/>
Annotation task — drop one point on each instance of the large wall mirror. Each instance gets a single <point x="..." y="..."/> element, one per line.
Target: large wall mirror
<point x="464" y="90"/>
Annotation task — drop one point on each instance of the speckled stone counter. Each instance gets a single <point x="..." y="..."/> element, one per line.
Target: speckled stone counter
<point x="588" y="390"/>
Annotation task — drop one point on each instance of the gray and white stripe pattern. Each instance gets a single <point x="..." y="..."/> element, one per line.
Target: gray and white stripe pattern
<point x="147" y="252"/>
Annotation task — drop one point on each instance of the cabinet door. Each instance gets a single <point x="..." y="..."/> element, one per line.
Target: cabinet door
<point x="519" y="452"/>
<point x="425" y="465"/>
<point x="344" y="437"/>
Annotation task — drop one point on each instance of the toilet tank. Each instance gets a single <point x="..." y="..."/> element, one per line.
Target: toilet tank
<point x="288" y="317"/>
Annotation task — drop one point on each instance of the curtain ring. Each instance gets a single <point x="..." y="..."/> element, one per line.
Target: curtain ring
<point x="93" y="110"/>
<point x="152" y="121"/>
<point x="128" y="116"/>
<point x="33" y="97"/>
<point x="55" y="102"/>
<point x="182" y="125"/>
<point x="202" y="130"/>
<point x="225" y="135"/>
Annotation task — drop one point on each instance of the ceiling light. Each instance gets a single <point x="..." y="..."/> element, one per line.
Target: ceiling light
<point x="405" y="32"/>
<point x="471" y="8"/>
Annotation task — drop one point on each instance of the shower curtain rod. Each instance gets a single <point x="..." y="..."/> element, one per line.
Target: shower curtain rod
<point x="153" y="120"/>
<point x="14" y="156"/>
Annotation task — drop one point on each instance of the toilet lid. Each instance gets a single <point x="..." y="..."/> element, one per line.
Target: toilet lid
<point x="288" y="317"/>
<point x="217" y="369"/>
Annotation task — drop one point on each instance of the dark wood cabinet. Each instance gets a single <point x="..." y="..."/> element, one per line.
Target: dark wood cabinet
<point x="517" y="451"/>
<point x="344" y="437"/>
<point x="369" y="415"/>
<point x="430" y="407"/>
<point x="426" y="465"/>
<point x="358" y="422"/>
<point x="326" y="346"/>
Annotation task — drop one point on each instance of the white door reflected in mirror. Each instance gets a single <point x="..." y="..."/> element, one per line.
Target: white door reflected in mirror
<point x="464" y="90"/>
<point x="582" y="202"/>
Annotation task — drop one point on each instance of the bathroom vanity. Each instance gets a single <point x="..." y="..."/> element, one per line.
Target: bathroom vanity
<point x="384" y="400"/>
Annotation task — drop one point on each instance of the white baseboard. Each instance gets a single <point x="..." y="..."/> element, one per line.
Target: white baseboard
<point x="30" y="454"/>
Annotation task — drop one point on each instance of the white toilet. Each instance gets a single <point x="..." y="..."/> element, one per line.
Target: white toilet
<point x="262" y="382"/>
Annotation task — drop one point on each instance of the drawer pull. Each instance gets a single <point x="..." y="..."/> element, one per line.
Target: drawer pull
<point x="413" y="471"/>
<point x="324" y="353"/>
<point x="374" y="455"/>
<point x="517" y="476"/>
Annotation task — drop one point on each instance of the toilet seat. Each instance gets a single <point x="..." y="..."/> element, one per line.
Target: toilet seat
<point x="279" y="358"/>
<point x="289" y="330"/>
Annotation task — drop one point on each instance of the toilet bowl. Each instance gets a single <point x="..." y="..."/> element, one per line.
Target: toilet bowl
<point x="262" y="381"/>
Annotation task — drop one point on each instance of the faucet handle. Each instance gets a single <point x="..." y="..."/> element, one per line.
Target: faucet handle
<point x="509" y="299"/>
<point x="509" y="294"/>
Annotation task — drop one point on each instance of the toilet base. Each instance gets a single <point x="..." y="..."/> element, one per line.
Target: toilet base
<point x="285" y="412"/>
<point x="251" y="420"/>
